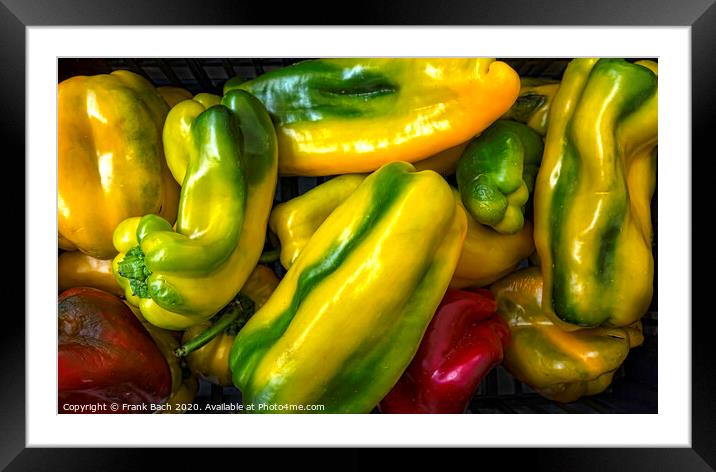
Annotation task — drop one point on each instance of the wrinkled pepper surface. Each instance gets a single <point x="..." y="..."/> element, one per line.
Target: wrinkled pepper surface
<point x="593" y="230"/>
<point x="211" y="360"/>
<point x="76" y="269"/>
<point x="227" y="165"/>
<point x="496" y="174"/>
<point x="560" y="365"/>
<point x="106" y="357"/>
<point x="338" y="116"/>
<point x="463" y="342"/>
<point x="534" y="102"/>
<point x="110" y="160"/>
<point x="348" y="316"/>
<point x="486" y="254"/>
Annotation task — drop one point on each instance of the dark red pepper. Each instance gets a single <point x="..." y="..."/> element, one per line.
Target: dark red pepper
<point x="106" y="357"/>
<point x="464" y="340"/>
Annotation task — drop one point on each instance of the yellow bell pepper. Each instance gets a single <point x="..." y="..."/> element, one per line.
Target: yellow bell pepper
<point x="76" y="269"/>
<point x="110" y="159"/>
<point x="295" y="221"/>
<point x="173" y="95"/>
<point x="487" y="255"/>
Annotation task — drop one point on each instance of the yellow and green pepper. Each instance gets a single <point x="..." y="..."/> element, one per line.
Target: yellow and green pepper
<point x="337" y="116"/>
<point x="560" y="365"/>
<point x="593" y="191"/>
<point x="349" y="314"/>
<point x="225" y="156"/>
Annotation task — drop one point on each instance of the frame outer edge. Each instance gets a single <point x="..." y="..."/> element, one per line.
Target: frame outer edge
<point x="703" y="103"/>
<point x="12" y="336"/>
<point x="12" y="401"/>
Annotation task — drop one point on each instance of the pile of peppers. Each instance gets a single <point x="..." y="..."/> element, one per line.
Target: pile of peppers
<point x="401" y="287"/>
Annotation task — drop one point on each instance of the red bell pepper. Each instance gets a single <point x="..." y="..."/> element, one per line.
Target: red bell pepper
<point x="464" y="340"/>
<point x="107" y="361"/>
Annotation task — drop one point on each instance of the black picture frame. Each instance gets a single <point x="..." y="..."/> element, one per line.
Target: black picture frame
<point x="16" y="15"/>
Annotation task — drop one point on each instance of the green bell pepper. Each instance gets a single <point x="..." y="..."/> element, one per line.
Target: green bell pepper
<point x="496" y="174"/>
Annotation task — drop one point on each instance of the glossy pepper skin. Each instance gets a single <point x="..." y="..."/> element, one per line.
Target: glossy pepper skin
<point x="355" y="281"/>
<point x="496" y="174"/>
<point x="180" y="277"/>
<point x="179" y="135"/>
<point x="76" y="269"/>
<point x="105" y="355"/>
<point x="211" y="361"/>
<point x="534" y="102"/>
<point x="560" y="365"/>
<point x="338" y="116"/>
<point x="295" y="221"/>
<point x="463" y="342"/>
<point x="593" y="229"/>
<point x="486" y="254"/>
<point x="110" y="159"/>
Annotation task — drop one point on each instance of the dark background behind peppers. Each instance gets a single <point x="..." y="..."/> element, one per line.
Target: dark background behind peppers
<point x="634" y="389"/>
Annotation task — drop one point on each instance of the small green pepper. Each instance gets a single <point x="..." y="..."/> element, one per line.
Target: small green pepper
<point x="496" y="174"/>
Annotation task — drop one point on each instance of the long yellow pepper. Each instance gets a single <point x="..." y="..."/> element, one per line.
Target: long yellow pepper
<point x="337" y="116"/>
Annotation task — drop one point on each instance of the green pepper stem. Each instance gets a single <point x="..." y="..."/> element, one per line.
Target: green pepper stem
<point x="210" y="333"/>
<point x="269" y="256"/>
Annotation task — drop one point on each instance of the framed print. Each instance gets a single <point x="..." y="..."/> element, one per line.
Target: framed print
<point x="651" y="409"/>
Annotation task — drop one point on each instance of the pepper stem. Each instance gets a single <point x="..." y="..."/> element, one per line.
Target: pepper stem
<point x="133" y="269"/>
<point x="524" y="106"/>
<point x="241" y="305"/>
